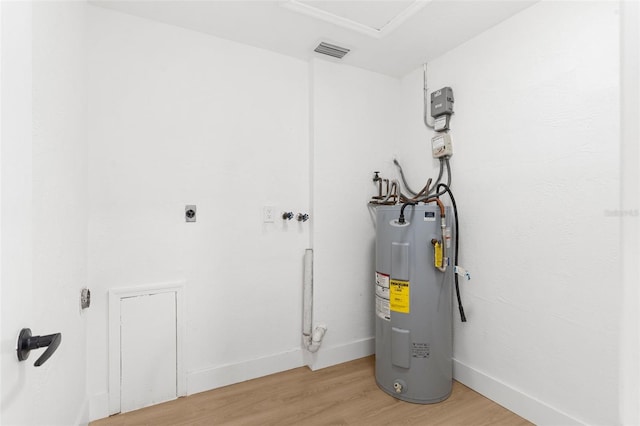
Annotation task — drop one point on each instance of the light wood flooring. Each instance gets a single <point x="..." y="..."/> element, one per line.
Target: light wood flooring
<point x="345" y="394"/>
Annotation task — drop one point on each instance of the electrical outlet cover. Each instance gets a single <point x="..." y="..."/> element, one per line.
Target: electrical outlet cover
<point x="268" y="213"/>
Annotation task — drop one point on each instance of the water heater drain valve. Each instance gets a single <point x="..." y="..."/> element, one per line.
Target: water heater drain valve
<point x="399" y="386"/>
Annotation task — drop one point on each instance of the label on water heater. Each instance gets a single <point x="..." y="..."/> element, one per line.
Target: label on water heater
<point x="399" y="296"/>
<point x="420" y="350"/>
<point x="382" y="296"/>
<point x="382" y="308"/>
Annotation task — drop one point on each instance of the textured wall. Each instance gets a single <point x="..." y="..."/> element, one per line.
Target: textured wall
<point x="536" y="176"/>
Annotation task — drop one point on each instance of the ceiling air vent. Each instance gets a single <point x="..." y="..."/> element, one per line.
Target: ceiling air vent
<point x="331" y="50"/>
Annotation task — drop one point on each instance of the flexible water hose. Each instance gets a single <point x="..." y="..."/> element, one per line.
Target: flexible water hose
<point x="404" y="180"/>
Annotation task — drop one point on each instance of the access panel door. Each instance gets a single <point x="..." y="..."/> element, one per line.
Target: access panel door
<point x="148" y="350"/>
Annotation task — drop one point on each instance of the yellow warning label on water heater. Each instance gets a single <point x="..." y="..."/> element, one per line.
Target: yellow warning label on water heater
<point x="437" y="254"/>
<point x="399" y="296"/>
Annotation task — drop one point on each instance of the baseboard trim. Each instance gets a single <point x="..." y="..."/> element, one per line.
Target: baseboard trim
<point x="212" y="378"/>
<point x="513" y="399"/>
<point x="328" y="356"/>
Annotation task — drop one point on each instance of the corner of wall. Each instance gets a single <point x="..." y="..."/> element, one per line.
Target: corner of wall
<point x="511" y="398"/>
<point x="332" y="355"/>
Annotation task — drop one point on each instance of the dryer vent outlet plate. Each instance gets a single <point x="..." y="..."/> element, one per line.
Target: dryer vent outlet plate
<point x="190" y="213"/>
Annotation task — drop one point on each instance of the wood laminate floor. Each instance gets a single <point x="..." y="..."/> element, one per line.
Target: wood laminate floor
<point x="345" y="394"/>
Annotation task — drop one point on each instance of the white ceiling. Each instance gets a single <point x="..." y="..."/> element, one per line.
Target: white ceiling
<point x="392" y="37"/>
<point x="375" y="15"/>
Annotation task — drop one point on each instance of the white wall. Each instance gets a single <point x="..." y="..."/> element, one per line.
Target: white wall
<point x="630" y="197"/>
<point x="177" y="117"/>
<point x="60" y="201"/>
<point x="44" y="228"/>
<point x="16" y="229"/>
<point x="536" y="177"/>
<point x="354" y="123"/>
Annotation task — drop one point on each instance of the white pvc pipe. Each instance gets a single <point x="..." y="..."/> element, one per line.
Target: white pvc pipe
<point x="316" y="338"/>
<point x="307" y="293"/>
<point x="312" y="341"/>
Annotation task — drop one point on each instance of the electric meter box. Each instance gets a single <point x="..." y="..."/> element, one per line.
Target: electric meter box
<point x="441" y="145"/>
<point x="442" y="102"/>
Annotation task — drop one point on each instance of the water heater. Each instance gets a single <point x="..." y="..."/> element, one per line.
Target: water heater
<point x="414" y="335"/>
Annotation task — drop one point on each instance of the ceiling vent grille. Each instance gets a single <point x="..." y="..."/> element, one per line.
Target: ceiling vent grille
<point x="331" y="50"/>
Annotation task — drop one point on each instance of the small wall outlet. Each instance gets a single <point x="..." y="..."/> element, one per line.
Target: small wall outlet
<point x="268" y="214"/>
<point x="190" y="213"/>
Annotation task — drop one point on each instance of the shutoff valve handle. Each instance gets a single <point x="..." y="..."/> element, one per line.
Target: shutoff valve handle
<point x="27" y="342"/>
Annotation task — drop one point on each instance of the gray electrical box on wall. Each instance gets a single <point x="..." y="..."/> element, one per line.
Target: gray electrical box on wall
<point x="442" y="102"/>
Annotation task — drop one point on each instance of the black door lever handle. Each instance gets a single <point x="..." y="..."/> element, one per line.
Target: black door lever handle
<point x="27" y="342"/>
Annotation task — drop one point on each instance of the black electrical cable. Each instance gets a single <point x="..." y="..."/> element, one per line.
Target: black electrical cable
<point x="463" y="317"/>
<point x="401" y="218"/>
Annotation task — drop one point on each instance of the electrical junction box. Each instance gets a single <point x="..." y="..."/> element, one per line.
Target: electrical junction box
<point x="441" y="123"/>
<point x="442" y="102"/>
<point x="441" y="145"/>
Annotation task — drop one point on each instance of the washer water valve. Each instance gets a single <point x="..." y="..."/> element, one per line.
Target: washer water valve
<point x="287" y="215"/>
<point x="302" y="217"/>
